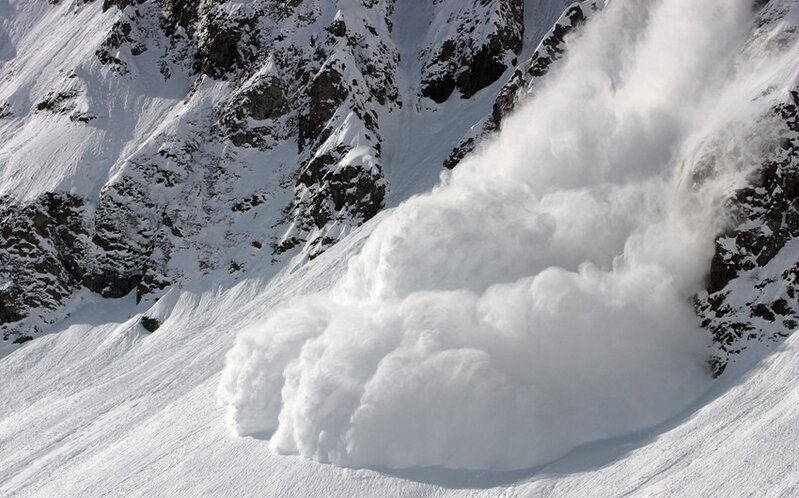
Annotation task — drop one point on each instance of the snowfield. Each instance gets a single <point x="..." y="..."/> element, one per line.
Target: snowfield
<point x="525" y="327"/>
<point x="103" y="409"/>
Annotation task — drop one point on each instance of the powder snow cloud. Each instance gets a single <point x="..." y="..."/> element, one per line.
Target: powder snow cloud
<point x="540" y="297"/>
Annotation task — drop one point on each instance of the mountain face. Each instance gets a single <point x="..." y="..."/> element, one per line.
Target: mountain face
<point x="752" y="293"/>
<point x="149" y="141"/>
<point x="494" y="244"/>
<point x="202" y="137"/>
<point x="146" y="142"/>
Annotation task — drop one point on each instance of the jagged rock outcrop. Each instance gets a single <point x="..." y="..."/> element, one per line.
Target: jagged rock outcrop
<point x="60" y="243"/>
<point x="303" y="82"/>
<point x="335" y="191"/>
<point x="752" y="294"/>
<point x="753" y="284"/>
<point x="487" y="38"/>
<point x="226" y="46"/>
<point x="44" y="247"/>
<point x="524" y="77"/>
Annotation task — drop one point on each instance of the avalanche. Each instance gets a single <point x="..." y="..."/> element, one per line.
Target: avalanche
<point x="526" y="327"/>
<point x="540" y="297"/>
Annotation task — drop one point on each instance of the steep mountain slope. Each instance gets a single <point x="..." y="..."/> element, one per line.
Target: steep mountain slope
<point x="183" y="178"/>
<point x="551" y="274"/>
<point x="106" y="409"/>
<point x="146" y="142"/>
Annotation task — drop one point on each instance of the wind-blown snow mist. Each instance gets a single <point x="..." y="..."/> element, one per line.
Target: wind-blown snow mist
<point x="540" y="297"/>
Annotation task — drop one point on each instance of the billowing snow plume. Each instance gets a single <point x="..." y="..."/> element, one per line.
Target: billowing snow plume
<point x="540" y="297"/>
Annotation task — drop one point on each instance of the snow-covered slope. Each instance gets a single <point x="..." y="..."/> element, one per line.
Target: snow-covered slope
<point x="223" y="232"/>
<point x="500" y="289"/>
<point x="103" y="408"/>
<point x="147" y="142"/>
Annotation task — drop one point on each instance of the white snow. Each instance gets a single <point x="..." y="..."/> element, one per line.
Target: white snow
<point x="540" y="298"/>
<point x="530" y="317"/>
<point x="101" y="408"/>
<point x="70" y="156"/>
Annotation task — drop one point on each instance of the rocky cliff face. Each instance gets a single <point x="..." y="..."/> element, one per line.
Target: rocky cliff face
<point x="753" y="294"/>
<point x="525" y="76"/>
<point x="487" y="38"/>
<point x="226" y="134"/>
<point x="753" y="289"/>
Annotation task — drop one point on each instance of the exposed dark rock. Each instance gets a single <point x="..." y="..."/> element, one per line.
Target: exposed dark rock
<point x="767" y="215"/>
<point x="461" y="150"/>
<point x="120" y="4"/>
<point x="265" y="101"/>
<point x="151" y="281"/>
<point x="58" y="102"/>
<point x="553" y="46"/>
<point x="150" y="324"/>
<point x="331" y="190"/>
<point x="124" y="240"/>
<point x="485" y="67"/>
<point x="440" y="89"/>
<point x="5" y="111"/>
<point x="763" y="311"/>
<point x="338" y="28"/>
<point x="81" y="117"/>
<point x="181" y="13"/>
<point x="524" y="78"/>
<point x="507" y="98"/>
<point x="471" y="64"/>
<point x="225" y="43"/>
<point x="721" y="272"/>
<point x="716" y="366"/>
<point x="250" y="202"/>
<point x="220" y="51"/>
<point x="51" y="247"/>
<point x="262" y="101"/>
<point x="119" y="35"/>
<point x="326" y="95"/>
<point x="781" y="307"/>
<point x="43" y="248"/>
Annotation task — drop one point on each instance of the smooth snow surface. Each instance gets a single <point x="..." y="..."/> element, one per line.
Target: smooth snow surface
<point x="540" y="297"/>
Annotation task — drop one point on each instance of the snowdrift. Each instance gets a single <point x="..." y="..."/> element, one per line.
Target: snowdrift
<point x="541" y="296"/>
